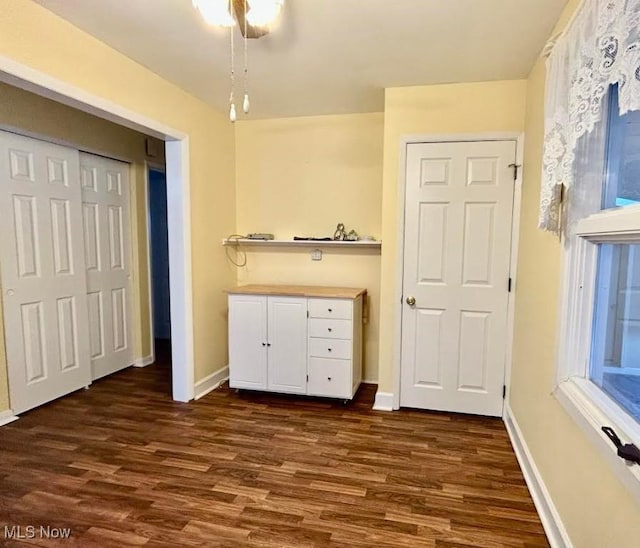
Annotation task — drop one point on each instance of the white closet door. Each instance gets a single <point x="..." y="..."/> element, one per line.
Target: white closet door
<point x="107" y="246"/>
<point x="43" y="271"/>
<point x="457" y="252"/>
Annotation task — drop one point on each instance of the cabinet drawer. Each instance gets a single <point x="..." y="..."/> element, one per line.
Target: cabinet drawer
<point x="330" y="378"/>
<point x="330" y="348"/>
<point x="331" y="308"/>
<point x="330" y="329"/>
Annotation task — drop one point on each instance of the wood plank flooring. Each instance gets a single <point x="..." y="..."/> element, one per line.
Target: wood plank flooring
<point x="121" y="464"/>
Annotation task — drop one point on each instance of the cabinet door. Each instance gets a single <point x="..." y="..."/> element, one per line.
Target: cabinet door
<point x="287" y="329"/>
<point x="247" y="342"/>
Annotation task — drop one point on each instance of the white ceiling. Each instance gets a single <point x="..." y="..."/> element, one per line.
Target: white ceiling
<point x="325" y="56"/>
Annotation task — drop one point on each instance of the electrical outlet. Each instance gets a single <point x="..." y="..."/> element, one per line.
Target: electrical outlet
<point x="316" y="255"/>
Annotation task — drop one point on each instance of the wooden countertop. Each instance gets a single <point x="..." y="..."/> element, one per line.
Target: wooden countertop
<point x="325" y="292"/>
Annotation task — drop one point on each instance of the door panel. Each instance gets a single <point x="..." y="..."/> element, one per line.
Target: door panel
<point x="34" y="342"/>
<point x="43" y="271"/>
<point x="67" y="328"/>
<point x="458" y="214"/>
<point x="25" y="229"/>
<point x="61" y="237"/>
<point x="287" y="338"/>
<point x="428" y="370"/>
<point x="96" y="325"/>
<point x="107" y="245"/>
<point x="248" y="342"/>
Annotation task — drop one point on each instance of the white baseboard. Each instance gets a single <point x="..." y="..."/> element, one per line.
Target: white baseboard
<point x="369" y="381"/>
<point x="383" y="401"/>
<point x="143" y="362"/>
<point x="7" y="416"/>
<point x="553" y="526"/>
<point x="211" y="382"/>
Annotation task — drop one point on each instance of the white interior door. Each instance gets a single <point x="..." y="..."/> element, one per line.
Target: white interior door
<point x="458" y="215"/>
<point x="107" y="247"/>
<point x="43" y="271"/>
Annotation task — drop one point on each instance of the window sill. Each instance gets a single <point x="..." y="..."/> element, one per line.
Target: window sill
<point x="592" y="409"/>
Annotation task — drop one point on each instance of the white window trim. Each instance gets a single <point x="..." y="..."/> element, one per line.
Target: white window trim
<point x="585" y="402"/>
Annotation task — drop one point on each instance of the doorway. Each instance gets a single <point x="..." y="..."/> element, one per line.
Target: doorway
<point x="159" y="262"/>
<point x="457" y="275"/>
<point x="178" y="183"/>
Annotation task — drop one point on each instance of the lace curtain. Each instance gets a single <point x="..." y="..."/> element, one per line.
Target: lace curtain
<point x="601" y="46"/>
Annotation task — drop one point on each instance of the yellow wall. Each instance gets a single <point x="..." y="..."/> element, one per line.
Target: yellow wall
<point x="33" y="36"/>
<point x="595" y="508"/>
<point x="443" y="109"/>
<point x="32" y="115"/>
<point x="300" y="177"/>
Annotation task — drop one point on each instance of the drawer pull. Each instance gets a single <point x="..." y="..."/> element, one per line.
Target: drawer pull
<point x="328" y="378"/>
<point x="264" y="344"/>
<point x="330" y="309"/>
<point x="330" y="330"/>
<point x="329" y="349"/>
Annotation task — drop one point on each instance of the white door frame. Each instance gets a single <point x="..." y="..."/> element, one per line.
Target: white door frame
<point x="178" y="201"/>
<point x="515" y="236"/>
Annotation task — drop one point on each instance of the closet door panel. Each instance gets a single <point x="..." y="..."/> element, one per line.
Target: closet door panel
<point x="107" y="245"/>
<point x="43" y="271"/>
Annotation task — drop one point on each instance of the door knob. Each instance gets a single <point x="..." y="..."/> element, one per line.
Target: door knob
<point x="411" y="301"/>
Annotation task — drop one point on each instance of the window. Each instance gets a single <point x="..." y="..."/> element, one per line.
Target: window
<point x="615" y="344"/>
<point x="601" y="338"/>
<point x="592" y="153"/>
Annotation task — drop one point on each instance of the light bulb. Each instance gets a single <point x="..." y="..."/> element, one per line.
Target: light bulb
<point x="263" y="12"/>
<point x="246" y="104"/>
<point x="232" y="112"/>
<point x="215" y="12"/>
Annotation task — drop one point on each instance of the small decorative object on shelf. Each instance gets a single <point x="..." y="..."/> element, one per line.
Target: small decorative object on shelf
<point x="341" y="234"/>
<point x="352" y="236"/>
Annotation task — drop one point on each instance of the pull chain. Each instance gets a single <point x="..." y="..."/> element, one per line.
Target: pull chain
<point x="245" y="103"/>
<point x="232" y="106"/>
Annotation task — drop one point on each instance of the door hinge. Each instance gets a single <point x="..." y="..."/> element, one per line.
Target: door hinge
<point x="509" y="285"/>
<point x="504" y="391"/>
<point x="515" y="167"/>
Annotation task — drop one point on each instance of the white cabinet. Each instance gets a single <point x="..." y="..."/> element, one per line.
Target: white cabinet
<point x="268" y="343"/>
<point x="335" y="347"/>
<point x="295" y="343"/>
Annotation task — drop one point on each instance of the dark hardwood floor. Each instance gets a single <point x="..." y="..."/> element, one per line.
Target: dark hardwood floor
<point x="121" y="464"/>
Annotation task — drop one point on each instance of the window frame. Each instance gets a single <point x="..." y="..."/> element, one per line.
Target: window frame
<point x="586" y="402"/>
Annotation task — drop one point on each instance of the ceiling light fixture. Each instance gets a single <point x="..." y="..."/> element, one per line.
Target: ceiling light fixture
<point x="215" y="12"/>
<point x="254" y="18"/>
<point x="264" y="12"/>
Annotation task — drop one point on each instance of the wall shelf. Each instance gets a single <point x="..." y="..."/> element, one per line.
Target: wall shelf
<point x="361" y="244"/>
